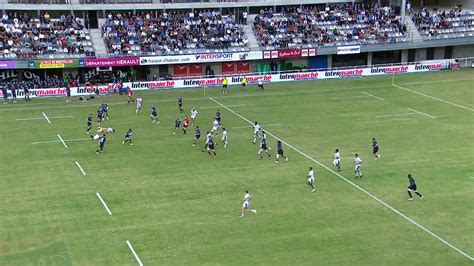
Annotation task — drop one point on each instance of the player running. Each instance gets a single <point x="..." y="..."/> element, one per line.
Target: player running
<point x="357" y="166"/>
<point x="215" y="126"/>
<point x="256" y="130"/>
<point x="310" y="181"/>
<point x="246" y="205"/>
<point x="105" y="109"/>
<point x="180" y="103"/>
<point x="260" y="84"/>
<point x="263" y="146"/>
<point x="280" y="152"/>
<point x="89" y="124"/>
<point x="225" y="137"/>
<point x="375" y="149"/>
<point x="412" y="188"/>
<point x="337" y="159"/>
<point x="154" y="115"/>
<point x="197" y="135"/>
<point x="130" y="95"/>
<point x="208" y="138"/>
<point x="139" y="103"/>
<point x="101" y="144"/>
<point x="210" y="148"/>
<point x="194" y="114"/>
<point x="186" y="123"/>
<point x="128" y="137"/>
<point x="218" y="117"/>
<point x="177" y="125"/>
<point x="100" y="116"/>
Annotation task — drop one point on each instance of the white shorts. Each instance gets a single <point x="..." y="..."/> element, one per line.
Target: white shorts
<point x="224" y="139"/>
<point x="193" y="117"/>
<point x="357" y="167"/>
<point x="310" y="180"/>
<point x="337" y="162"/>
<point x="214" y="129"/>
<point x="96" y="136"/>
<point x="245" y="205"/>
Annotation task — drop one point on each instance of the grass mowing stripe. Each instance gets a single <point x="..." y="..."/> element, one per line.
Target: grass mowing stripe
<point x="434" y="98"/>
<point x="421" y="113"/>
<point x="47" y="119"/>
<point x="103" y="203"/>
<point x="134" y="253"/>
<point x="354" y="185"/>
<point x="80" y="168"/>
<point x="61" y="139"/>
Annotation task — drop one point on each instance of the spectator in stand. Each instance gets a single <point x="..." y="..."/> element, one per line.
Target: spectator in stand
<point x="452" y="23"/>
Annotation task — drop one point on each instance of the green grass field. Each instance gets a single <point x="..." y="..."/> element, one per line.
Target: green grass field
<point x="177" y="206"/>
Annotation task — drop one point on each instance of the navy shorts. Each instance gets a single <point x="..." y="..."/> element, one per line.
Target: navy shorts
<point x="375" y="149"/>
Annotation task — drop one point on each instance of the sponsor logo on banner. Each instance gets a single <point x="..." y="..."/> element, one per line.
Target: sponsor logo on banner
<point x="429" y="67"/>
<point x="200" y="58"/>
<point x="150" y="85"/>
<point x="289" y="53"/>
<point x="299" y="76"/>
<point x="355" y="49"/>
<point x="344" y="73"/>
<point x="7" y="64"/>
<point x="113" y="62"/>
<point x="164" y="60"/>
<point x="213" y="57"/>
<point x="389" y="70"/>
<point x="267" y="54"/>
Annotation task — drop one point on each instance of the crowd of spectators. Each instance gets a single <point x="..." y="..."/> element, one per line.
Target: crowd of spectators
<point x="453" y="23"/>
<point x="171" y="32"/>
<point x="22" y="36"/>
<point x="328" y="25"/>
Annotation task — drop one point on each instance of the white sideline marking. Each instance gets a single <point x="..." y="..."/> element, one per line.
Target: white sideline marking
<point x="61" y="139"/>
<point x="421" y="113"/>
<point x="434" y="98"/>
<point x="80" y="168"/>
<point x="134" y="253"/>
<point x="402" y="114"/>
<point x="112" y="103"/>
<point x="349" y="97"/>
<point x="47" y="119"/>
<point x="212" y="107"/>
<point x="267" y="125"/>
<point x="103" y="203"/>
<point x="354" y="185"/>
<point x="37" y="118"/>
<point x="55" y="141"/>
<point x="371" y="95"/>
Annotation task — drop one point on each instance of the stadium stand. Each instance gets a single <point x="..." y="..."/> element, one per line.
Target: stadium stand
<point x="173" y="32"/>
<point x="438" y="24"/>
<point x="341" y="24"/>
<point x="22" y="36"/>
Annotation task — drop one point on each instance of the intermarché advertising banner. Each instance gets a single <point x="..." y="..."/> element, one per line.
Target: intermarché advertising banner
<point x="56" y="63"/>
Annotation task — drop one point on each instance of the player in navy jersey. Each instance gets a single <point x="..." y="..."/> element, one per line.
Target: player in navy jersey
<point x="154" y="115"/>
<point x="412" y="188"/>
<point x="177" y="125"/>
<point x="197" y="135"/>
<point x="180" y="103"/>
<point x="375" y="149"/>
<point x="263" y="146"/>
<point x="101" y="144"/>
<point x="210" y="148"/>
<point x="128" y="137"/>
<point x="280" y="152"/>
<point x="100" y="116"/>
<point x="218" y="117"/>
<point x="89" y="124"/>
<point x="105" y="110"/>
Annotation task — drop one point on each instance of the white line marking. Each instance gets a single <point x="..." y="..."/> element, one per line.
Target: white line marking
<point x="61" y="139"/>
<point x="421" y="113"/>
<point x="134" y="253"/>
<point x="434" y="98"/>
<point x="349" y="97"/>
<point x="103" y="203"/>
<point x="371" y="95"/>
<point x="354" y="185"/>
<point x="212" y="107"/>
<point x="80" y="168"/>
<point x="55" y="141"/>
<point x="402" y="114"/>
<point x="267" y="125"/>
<point x="37" y="118"/>
<point x="472" y="177"/>
<point x="47" y="119"/>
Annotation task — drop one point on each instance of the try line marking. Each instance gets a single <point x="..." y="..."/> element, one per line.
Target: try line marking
<point x="212" y="107"/>
<point x="421" y="113"/>
<point x="103" y="203"/>
<point x="47" y="119"/>
<point x="61" y="139"/>
<point x="80" y="168"/>
<point x="353" y="184"/>
<point x="134" y="253"/>
<point x="37" y="118"/>
<point x="434" y="98"/>
<point x="371" y="95"/>
<point x="267" y="125"/>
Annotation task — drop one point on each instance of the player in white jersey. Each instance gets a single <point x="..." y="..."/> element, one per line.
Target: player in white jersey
<point x="139" y="102"/>
<point x="193" y="116"/>
<point x="310" y="181"/>
<point x="103" y="131"/>
<point x="256" y="130"/>
<point x="246" y="204"/>
<point x="225" y="137"/>
<point x="215" y="126"/>
<point x="208" y="138"/>
<point x="337" y="160"/>
<point x="357" y="166"/>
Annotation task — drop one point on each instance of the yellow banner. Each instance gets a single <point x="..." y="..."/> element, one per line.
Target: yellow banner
<point x="51" y="65"/>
